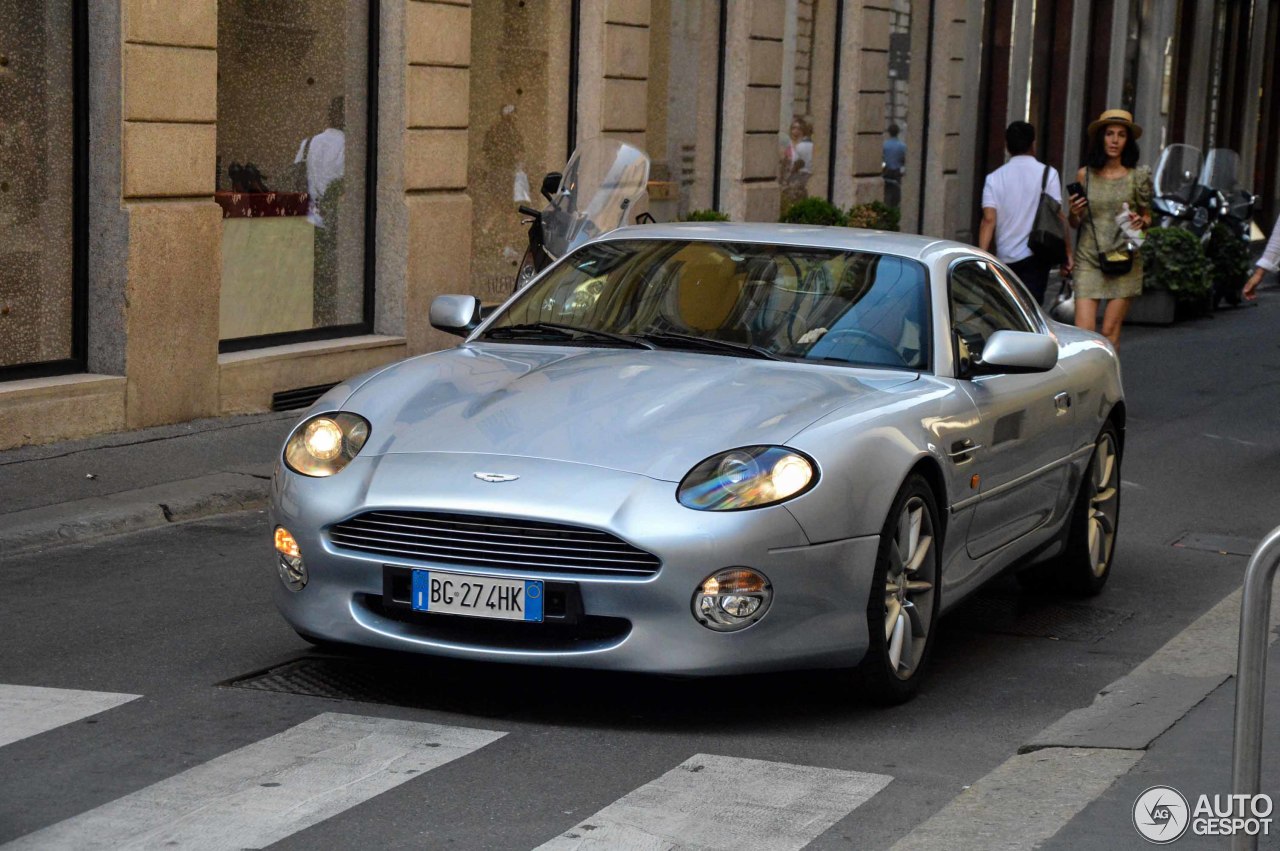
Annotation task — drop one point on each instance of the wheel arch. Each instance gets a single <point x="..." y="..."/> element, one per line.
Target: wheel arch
<point x="928" y="467"/>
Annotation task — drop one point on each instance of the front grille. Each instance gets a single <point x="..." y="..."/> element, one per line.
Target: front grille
<point x="478" y="541"/>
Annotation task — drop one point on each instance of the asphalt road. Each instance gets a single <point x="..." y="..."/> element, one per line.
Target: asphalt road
<point x="174" y="615"/>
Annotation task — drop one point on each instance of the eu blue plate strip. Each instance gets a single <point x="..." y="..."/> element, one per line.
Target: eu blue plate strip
<point x="533" y="600"/>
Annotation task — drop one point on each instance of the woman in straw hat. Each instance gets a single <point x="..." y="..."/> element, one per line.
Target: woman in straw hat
<point x="1112" y="181"/>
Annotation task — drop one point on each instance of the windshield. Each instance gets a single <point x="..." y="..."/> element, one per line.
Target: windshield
<point x="1222" y="170"/>
<point x="1178" y="172"/>
<point x="603" y="180"/>
<point x="797" y="303"/>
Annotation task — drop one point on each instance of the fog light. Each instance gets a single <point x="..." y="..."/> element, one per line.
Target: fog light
<point x="732" y="599"/>
<point x="293" y="573"/>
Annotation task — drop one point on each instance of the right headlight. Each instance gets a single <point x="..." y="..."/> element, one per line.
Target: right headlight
<point x="750" y="477"/>
<point x="324" y="444"/>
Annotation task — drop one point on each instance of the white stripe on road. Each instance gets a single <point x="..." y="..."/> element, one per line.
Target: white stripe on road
<point x="29" y="710"/>
<point x="269" y="790"/>
<point x="725" y="802"/>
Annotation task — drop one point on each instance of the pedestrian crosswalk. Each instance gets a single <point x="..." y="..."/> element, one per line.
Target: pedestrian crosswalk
<point x="328" y="764"/>
<point x="725" y="802"/>
<point x="29" y="710"/>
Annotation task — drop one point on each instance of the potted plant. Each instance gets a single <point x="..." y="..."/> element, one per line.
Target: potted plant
<point x="705" y="216"/>
<point x="1229" y="261"/>
<point x="1175" y="270"/>
<point x="813" y="211"/>
<point x="876" y="216"/>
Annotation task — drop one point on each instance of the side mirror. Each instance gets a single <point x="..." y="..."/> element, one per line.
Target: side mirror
<point x="455" y="314"/>
<point x="1019" y="351"/>
<point x="550" y="184"/>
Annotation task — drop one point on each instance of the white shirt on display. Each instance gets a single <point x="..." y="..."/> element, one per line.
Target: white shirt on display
<point x="325" y="156"/>
<point x="1013" y="190"/>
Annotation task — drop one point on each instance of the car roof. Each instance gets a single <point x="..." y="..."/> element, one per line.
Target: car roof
<point x="814" y="236"/>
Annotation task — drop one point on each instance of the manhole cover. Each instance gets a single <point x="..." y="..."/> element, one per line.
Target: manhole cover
<point x="1037" y="619"/>
<point x="1221" y="544"/>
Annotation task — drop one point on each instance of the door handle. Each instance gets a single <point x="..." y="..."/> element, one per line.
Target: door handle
<point x="1062" y="402"/>
<point x="962" y="450"/>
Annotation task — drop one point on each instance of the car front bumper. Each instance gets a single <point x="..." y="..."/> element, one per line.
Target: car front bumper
<point x="817" y="617"/>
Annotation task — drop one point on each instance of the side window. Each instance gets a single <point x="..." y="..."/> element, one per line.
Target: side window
<point x="980" y="306"/>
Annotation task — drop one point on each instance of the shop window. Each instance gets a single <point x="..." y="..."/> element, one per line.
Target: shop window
<point x="42" y="87"/>
<point x="293" y="169"/>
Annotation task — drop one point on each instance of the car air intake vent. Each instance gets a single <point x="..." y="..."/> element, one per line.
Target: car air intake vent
<point x="299" y="397"/>
<point x="479" y="541"/>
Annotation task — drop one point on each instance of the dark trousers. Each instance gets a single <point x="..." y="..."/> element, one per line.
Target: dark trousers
<point x="1033" y="272"/>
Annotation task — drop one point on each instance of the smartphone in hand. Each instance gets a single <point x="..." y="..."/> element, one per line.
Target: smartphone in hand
<point x="1075" y="189"/>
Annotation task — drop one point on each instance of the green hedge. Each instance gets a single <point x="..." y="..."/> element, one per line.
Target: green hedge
<point x="1173" y="259"/>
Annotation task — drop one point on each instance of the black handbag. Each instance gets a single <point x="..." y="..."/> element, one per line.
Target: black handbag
<point x="1048" y="241"/>
<point x="1117" y="261"/>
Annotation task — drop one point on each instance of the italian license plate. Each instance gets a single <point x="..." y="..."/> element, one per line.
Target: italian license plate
<point x="477" y="596"/>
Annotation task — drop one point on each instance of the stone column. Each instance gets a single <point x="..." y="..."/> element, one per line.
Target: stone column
<point x="752" y="102"/>
<point x="174" y="261"/>
<point x="437" y="94"/>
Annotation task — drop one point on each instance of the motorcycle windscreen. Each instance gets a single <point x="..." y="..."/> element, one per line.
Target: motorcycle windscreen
<point x="604" y="181"/>
<point x="1178" y="172"/>
<point x="1222" y="170"/>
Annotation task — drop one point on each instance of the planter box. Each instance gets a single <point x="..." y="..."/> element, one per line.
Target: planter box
<point x="1153" y="307"/>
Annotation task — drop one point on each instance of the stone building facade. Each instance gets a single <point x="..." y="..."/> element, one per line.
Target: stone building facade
<point x="212" y="207"/>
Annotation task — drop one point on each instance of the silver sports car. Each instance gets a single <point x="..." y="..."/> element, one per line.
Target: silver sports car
<point x="707" y="448"/>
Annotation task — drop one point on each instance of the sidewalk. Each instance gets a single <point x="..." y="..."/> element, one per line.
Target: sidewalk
<point x="77" y="490"/>
<point x="1169" y="722"/>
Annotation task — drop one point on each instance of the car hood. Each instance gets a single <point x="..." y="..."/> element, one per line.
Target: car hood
<point x="654" y="413"/>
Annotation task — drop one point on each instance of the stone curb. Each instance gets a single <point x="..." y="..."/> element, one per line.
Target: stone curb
<point x="130" y="511"/>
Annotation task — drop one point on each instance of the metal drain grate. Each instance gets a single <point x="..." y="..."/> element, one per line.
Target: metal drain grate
<point x="335" y="679"/>
<point x="1220" y="544"/>
<point x="1037" y="619"/>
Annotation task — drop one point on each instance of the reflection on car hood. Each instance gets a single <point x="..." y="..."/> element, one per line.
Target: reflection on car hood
<point x="655" y="413"/>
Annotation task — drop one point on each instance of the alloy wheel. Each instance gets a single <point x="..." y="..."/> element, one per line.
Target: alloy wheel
<point x="909" y="588"/>
<point x="1104" y="503"/>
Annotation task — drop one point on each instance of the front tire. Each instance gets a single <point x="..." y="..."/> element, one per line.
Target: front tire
<point x="903" y="609"/>
<point x="1091" y="539"/>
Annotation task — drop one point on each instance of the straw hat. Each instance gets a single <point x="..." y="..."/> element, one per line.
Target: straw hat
<point x="1117" y="116"/>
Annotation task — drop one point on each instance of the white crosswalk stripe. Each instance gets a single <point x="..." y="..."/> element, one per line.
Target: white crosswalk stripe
<point x="714" y="802"/>
<point x="270" y="789"/>
<point x="29" y="710"/>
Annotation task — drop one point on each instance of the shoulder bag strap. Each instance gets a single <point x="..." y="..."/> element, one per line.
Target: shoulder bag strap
<point x="1089" y="206"/>
<point x="1044" y="181"/>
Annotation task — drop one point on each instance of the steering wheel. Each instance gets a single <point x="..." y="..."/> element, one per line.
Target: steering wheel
<point x="869" y="337"/>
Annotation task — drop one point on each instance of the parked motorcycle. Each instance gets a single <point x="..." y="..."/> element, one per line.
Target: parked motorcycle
<point x="604" y="186"/>
<point x="1235" y="213"/>
<point x="1181" y="199"/>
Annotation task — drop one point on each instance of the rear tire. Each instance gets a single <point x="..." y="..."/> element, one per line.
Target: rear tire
<point x="902" y="612"/>
<point x="1084" y="567"/>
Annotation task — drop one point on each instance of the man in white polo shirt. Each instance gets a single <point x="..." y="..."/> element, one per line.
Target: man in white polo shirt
<point x="1010" y="198"/>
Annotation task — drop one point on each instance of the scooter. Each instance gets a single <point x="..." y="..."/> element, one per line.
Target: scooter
<point x="1181" y="200"/>
<point x="604" y="186"/>
<point x="1235" y="212"/>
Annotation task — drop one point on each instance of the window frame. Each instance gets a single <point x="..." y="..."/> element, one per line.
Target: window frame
<point x="79" y="360"/>
<point x="366" y="323"/>
<point x="1035" y="323"/>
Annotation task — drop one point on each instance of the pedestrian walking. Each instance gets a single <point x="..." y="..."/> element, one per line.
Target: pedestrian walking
<point x="1010" y="200"/>
<point x="893" y="155"/>
<point x="1111" y="194"/>
<point x="1269" y="262"/>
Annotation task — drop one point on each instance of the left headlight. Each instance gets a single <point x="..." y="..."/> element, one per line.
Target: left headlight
<point x="324" y="444"/>
<point x="750" y="477"/>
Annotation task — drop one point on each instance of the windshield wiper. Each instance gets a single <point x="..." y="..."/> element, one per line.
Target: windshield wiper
<point x="565" y="333"/>
<point x="712" y="344"/>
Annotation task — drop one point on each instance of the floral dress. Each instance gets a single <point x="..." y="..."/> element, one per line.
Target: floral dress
<point x="1106" y="199"/>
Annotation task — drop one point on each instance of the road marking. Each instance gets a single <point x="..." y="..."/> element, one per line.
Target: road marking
<point x="1030" y="797"/>
<point x="726" y="802"/>
<point x="30" y="710"/>
<point x="268" y="790"/>
<point x="1023" y="802"/>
